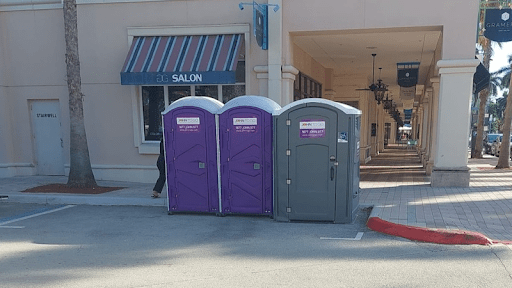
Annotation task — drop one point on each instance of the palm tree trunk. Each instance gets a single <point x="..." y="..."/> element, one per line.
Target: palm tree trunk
<point x="80" y="173"/>
<point x="483" y="95"/>
<point x="503" y="161"/>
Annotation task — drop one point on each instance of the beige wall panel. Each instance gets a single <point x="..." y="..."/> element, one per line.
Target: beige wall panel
<point x="5" y="128"/>
<point x="5" y="121"/>
<point x="103" y="33"/>
<point x="35" y="44"/>
<point x="306" y="15"/>
<point x="307" y="65"/>
<point x="455" y="16"/>
<point x="109" y="125"/>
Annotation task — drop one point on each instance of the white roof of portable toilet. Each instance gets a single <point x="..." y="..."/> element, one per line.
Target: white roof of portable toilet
<point x="343" y="107"/>
<point x="263" y="103"/>
<point x="207" y="103"/>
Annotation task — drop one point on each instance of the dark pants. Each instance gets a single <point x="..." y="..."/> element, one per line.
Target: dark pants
<point x="161" y="179"/>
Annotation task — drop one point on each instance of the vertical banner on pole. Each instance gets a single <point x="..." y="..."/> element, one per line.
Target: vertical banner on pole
<point x="261" y="25"/>
<point x="260" y="21"/>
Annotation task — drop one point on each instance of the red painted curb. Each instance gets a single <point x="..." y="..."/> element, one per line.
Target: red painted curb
<point x="439" y="236"/>
<point x="502" y="242"/>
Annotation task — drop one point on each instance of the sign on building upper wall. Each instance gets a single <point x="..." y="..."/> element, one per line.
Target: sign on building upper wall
<point x="498" y="25"/>
<point x="407" y="73"/>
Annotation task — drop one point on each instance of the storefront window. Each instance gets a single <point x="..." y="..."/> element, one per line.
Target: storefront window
<point x="177" y="92"/>
<point x="209" y="90"/>
<point x="231" y="91"/>
<point x="156" y="98"/>
<point x="306" y="87"/>
<point x="153" y="105"/>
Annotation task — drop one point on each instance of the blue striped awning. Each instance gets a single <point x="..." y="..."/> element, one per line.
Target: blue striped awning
<point x="171" y="60"/>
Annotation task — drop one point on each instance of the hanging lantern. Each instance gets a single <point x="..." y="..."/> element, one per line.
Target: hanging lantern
<point x="387" y="103"/>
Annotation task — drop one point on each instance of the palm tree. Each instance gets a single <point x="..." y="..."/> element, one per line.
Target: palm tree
<point x="80" y="173"/>
<point x="483" y="96"/>
<point x="497" y="109"/>
<point x="503" y="161"/>
<point x="486" y="47"/>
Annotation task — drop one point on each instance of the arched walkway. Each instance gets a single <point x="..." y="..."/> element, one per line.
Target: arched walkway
<point x="397" y="186"/>
<point x="397" y="165"/>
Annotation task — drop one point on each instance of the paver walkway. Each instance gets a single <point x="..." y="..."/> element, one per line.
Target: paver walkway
<point x="394" y="182"/>
<point x="398" y="186"/>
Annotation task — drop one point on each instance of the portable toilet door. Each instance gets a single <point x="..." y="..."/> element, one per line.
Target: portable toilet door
<point x="245" y="130"/>
<point x="191" y="154"/>
<point x="313" y="161"/>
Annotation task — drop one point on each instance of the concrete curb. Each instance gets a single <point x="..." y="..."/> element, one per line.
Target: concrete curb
<point x="438" y="236"/>
<point x="86" y="200"/>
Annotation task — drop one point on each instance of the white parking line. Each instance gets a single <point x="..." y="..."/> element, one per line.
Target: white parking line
<point x="357" y="238"/>
<point x="35" y="215"/>
<point x="13" y="227"/>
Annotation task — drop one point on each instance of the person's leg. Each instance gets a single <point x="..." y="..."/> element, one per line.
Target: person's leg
<point x="159" y="185"/>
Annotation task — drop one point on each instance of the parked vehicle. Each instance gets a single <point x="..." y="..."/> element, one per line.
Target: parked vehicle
<point x="496" y="146"/>
<point x="488" y="140"/>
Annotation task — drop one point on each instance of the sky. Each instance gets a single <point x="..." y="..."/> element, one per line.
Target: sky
<point x="500" y="59"/>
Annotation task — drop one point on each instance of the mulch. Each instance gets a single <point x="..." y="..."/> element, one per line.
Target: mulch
<point x="63" y="188"/>
<point x="485" y="168"/>
<point x="493" y="168"/>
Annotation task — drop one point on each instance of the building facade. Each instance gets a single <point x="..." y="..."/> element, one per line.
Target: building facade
<point x="139" y="56"/>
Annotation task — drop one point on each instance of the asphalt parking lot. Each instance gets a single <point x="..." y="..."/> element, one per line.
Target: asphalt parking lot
<point x="133" y="246"/>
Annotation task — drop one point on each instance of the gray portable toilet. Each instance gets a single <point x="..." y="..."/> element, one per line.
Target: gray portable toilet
<point x="191" y="154"/>
<point x="316" y="171"/>
<point x="245" y="144"/>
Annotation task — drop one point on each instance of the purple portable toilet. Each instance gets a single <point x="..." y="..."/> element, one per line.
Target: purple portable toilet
<point x="191" y="154"/>
<point x="245" y="131"/>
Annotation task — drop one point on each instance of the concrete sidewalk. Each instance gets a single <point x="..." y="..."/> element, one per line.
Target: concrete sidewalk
<point x="394" y="183"/>
<point x="397" y="186"/>
<point x="138" y="194"/>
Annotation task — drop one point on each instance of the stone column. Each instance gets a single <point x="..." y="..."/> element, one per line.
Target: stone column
<point x="413" y="122"/>
<point x="417" y="124"/>
<point x="380" y="127"/>
<point x="275" y="52"/>
<point x="373" y="120"/>
<point x="451" y="144"/>
<point x="428" y="126"/>
<point x="364" y="106"/>
<point x="392" y="138"/>
<point x="262" y="76"/>
<point x="288" y="76"/>
<point x="329" y="94"/>
<point x="433" y="124"/>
